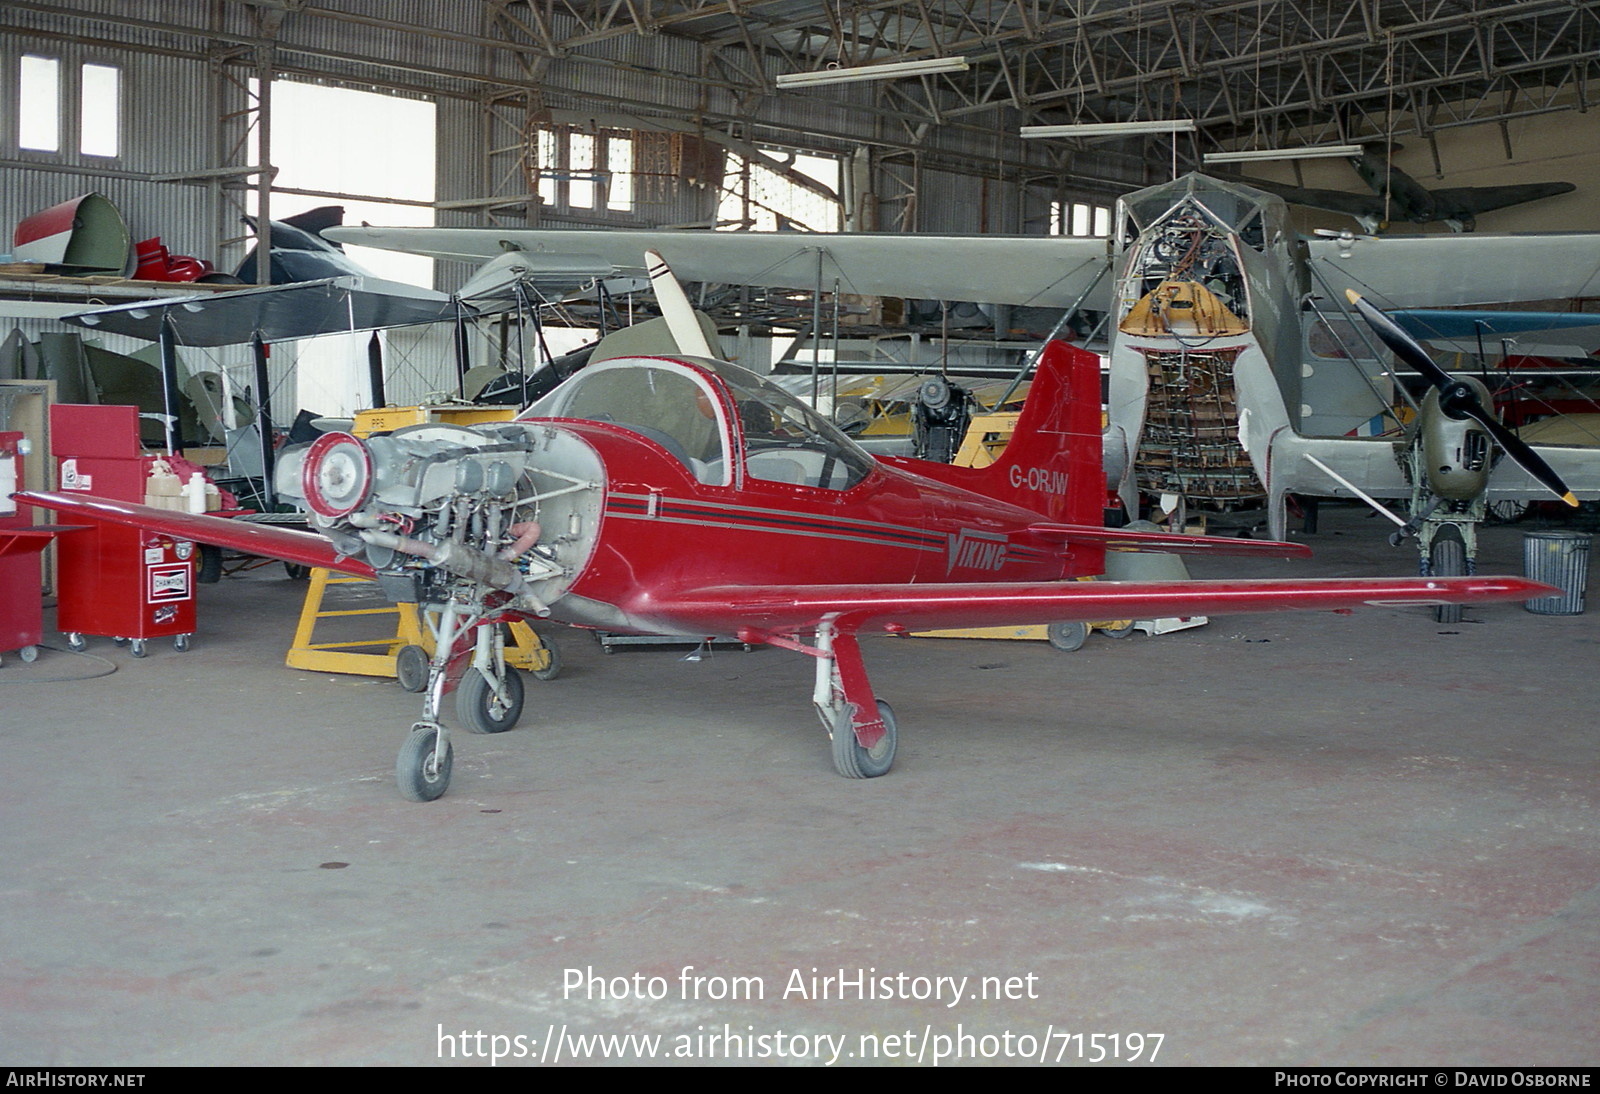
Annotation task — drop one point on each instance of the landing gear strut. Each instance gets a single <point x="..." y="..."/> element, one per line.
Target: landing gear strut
<point x="488" y="699"/>
<point x="861" y="727"/>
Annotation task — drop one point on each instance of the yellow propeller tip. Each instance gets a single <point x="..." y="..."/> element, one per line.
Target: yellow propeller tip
<point x="1352" y="296"/>
<point x="1570" y="499"/>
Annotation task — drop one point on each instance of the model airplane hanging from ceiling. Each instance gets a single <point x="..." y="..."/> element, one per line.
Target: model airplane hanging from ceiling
<point x="681" y="495"/>
<point x="1232" y="358"/>
<point x="1397" y="198"/>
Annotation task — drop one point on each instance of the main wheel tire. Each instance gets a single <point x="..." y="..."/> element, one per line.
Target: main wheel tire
<point x="420" y="777"/>
<point x="1448" y="558"/>
<point x="854" y="762"/>
<point x="411" y="668"/>
<point x="481" y="710"/>
<point x="552" y="668"/>
<point x="1067" y="637"/>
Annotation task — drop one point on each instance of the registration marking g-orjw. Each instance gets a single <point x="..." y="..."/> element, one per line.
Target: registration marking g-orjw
<point x="1038" y="479"/>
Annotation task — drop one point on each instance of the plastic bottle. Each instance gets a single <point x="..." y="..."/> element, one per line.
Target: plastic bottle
<point x="194" y="492"/>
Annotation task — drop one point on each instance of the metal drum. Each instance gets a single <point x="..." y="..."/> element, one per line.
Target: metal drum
<point x="1560" y="559"/>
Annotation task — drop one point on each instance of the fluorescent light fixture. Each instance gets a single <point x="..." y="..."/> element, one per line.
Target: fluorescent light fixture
<point x="1108" y="129"/>
<point x="1314" y="152"/>
<point x="892" y="71"/>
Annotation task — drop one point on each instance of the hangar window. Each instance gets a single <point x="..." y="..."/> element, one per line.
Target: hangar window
<point x="582" y="170"/>
<point x="1079" y="218"/>
<point x="99" y="110"/>
<point x="39" y="104"/>
<point x="335" y="145"/>
<point x="774" y="198"/>
<point x="43" y="107"/>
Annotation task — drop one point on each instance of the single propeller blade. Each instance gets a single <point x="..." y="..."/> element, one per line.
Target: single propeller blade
<point x="1460" y="400"/>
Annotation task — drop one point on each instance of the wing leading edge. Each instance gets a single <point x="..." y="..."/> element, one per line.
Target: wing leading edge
<point x="753" y="612"/>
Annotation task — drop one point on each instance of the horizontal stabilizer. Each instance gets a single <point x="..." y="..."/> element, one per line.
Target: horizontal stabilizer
<point x="1122" y="539"/>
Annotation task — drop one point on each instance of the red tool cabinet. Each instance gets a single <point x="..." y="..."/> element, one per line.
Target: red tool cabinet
<point x="21" y="617"/>
<point x="123" y="583"/>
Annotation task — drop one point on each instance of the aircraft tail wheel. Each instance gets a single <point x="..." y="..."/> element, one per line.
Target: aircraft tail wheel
<point x="421" y="775"/>
<point x="1067" y="637"/>
<point x="483" y="711"/>
<point x="1447" y="558"/>
<point x="411" y="668"/>
<point x="854" y="762"/>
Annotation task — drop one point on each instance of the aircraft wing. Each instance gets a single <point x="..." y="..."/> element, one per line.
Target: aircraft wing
<point x="1334" y="201"/>
<point x="1042" y="271"/>
<point x="305" y="548"/>
<point x="1482" y="199"/>
<point x="1426" y="271"/>
<point x="753" y="613"/>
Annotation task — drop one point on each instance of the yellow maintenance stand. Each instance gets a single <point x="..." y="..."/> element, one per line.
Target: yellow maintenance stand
<point x="404" y="654"/>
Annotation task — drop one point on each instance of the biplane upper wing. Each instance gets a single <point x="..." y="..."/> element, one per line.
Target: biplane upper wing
<point x="1040" y="271"/>
<point x="752" y="613"/>
<point x="304" y="548"/>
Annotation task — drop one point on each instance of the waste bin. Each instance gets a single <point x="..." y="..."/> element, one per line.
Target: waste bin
<point x="1560" y="559"/>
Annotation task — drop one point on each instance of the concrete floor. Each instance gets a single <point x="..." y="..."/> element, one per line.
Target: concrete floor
<point x="1293" y="840"/>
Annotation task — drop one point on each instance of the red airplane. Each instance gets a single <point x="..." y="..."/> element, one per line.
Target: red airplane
<point x="682" y="495"/>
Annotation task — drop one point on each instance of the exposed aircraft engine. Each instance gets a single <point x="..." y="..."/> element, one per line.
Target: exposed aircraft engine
<point x="443" y="511"/>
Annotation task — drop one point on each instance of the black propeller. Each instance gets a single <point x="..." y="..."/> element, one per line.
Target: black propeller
<point x="1460" y="400"/>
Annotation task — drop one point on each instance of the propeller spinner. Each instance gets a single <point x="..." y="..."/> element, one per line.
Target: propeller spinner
<point x="1459" y="399"/>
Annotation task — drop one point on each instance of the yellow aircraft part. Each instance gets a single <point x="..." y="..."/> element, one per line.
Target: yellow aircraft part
<point x="1182" y="308"/>
<point x="377" y="656"/>
<point x="385" y="418"/>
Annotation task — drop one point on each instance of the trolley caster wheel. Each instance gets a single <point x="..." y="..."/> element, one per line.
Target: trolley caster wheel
<point x="181" y="643"/>
<point x="29" y="653"/>
<point x="137" y="648"/>
<point x="119" y="641"/>
<point x="1067" y="637"/>
<point x="552" y="667"/>
<point x="420" y="775"/>
<point x="77" y="643"/>
<point x="1123" y="630"/>
<point x="411" y="668"/>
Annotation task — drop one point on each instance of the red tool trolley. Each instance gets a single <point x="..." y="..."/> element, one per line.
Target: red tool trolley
<point x="124" y="583"/>
<point x="21" y="615"/>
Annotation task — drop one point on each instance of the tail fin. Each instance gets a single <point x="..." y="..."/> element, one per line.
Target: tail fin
<point x="1052" y="464"/>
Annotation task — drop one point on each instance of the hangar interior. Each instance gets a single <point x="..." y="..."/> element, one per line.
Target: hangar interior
<point x="1294" y="840"/>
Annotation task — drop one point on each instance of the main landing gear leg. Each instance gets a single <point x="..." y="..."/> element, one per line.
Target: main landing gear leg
<point x="861" y="726"/>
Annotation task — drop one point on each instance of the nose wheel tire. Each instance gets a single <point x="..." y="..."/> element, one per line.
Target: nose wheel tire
<point x="854" y="762"/>
<point x="481" y="710"/>
<point x="418" y="772"/>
